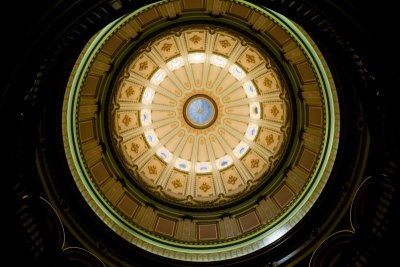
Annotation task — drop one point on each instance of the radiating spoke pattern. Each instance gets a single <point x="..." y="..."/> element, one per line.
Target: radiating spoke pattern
<point x="202" y="115"/>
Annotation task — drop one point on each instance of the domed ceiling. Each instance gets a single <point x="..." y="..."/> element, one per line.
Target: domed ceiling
<point x="199" y="116"/>
<point x="201" y="138"/>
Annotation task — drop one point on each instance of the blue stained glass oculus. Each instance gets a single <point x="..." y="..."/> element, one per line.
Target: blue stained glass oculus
<point x="200" y="111"/>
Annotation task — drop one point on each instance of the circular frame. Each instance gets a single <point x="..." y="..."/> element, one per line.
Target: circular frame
<point x="191" y="119"/>
<point x="95" y="179"/>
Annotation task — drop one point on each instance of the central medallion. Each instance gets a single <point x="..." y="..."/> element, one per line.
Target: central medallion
<point x="200" y="111"/>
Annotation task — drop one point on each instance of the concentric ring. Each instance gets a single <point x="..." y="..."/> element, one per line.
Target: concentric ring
<point x="249" y="170"/>
<point x="211" y="122"/>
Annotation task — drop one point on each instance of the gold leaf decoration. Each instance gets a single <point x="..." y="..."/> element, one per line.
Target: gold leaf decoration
<point x="267" y="82"/>
<point x="254" y="163"/>
<point x="143" y="65"/>
<point x="205" y="187"/>
<point x="166" y="47"/>
<point x="269" y="139"/>
<point x="135" y="147"/>
<point x="250" y="58"/>
<point x="195" y="39"/>
<point x="152" y="169"/>
<point x="177" y="183"/>
<point x="126" y="120"/>
<point x="129" y="91"/>
<point x="225" y="43"/>
<point x="274" y="111"/>
<point x="232" y="179"/>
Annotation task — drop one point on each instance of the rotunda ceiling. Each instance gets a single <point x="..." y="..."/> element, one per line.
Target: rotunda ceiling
<point x="200" y="116"/>
<point x="201" y="132"/>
